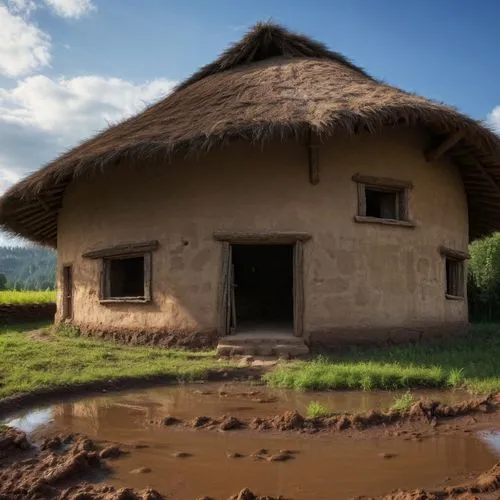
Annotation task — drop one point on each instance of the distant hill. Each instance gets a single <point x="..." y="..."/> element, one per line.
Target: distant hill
<point x="28" y="268"/>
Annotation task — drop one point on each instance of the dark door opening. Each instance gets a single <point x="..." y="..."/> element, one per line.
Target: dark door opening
<point x="67" y="286"/>
<point x="263" y="280"/>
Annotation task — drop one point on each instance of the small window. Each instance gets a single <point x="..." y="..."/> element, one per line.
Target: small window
<point x="383" y="200"/>
<point x="126" y="278"/>
<point x="454" y="262"/>
<point x="382" y="204"/>
<point x="454" y="277"/>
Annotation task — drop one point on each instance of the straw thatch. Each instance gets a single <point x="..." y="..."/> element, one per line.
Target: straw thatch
<point x="271" y="84"/>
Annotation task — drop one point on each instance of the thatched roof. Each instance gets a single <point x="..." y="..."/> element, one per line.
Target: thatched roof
<point x="272" y="83"/>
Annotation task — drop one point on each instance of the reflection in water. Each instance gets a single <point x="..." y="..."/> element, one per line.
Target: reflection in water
<point x="325" y="467"/>
<point x="214" y="399"/>
<point x="492" y="440"/>
<point x="32" y="420"/>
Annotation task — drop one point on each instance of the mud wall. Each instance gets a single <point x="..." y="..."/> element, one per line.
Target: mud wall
<point x="362" y="281"/>
<point x="11" y="314"/>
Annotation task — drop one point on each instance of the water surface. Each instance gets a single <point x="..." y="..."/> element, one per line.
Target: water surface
<point x="325" y="466"/>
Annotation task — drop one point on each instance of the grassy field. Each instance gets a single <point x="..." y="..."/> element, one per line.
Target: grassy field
<point x="28" y="362"/>
<point x="50" y="358"/>
<point x="471" y="362"/>
<point x="27" y="297"/>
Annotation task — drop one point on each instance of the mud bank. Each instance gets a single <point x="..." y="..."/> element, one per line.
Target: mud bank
<point x="194" y="341"/>
<point x="64" y="467"/>
<point x="11" y="314"/>
<point x="421" y="412"/>
<point x="486" y="485"/>
<point x="58" y="469"/>
<point x="74" y="467"/>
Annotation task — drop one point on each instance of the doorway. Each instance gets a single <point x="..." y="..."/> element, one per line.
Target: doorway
<point x="262" y="288"/>
<point x="67" y="274"/>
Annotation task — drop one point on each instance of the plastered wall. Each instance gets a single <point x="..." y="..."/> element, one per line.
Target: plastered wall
<point x="360" y="280"/>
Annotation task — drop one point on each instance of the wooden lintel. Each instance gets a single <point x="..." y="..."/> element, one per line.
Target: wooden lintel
<point x="122" y="250"/>
<point x="452" y="253"/>
<point x="386" y="182"/>
<point x="269" y="238"/>
<point x="313" y="147"/>
<point x="438" y="151"/>
<point x="494" y="184"/>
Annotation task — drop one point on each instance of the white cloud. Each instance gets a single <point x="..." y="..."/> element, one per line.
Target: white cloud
<point x="23" y="6"/>
<point x="41" y="117"/>
<point x="23" y="46"/>
<point x="494" y="119"/>
<point x="69" y="110"/>
<point x="71" y="8"/>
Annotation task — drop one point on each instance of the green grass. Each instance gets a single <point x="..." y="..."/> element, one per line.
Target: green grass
<point x="27" y="364"/>
<point x="60" y="357"/>
<point x="27" y="297"/>
<point x="403" y="402"/>
<point x="315" y="410"/>
<point x="470" y="362"/>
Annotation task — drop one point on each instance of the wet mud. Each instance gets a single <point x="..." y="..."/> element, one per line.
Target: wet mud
<point x="220" y="398"/>
<point x="58" y="469"/>
<point x="432" y="451"/>
<point x="423" y="412"/>
<point x="485" y="486"/>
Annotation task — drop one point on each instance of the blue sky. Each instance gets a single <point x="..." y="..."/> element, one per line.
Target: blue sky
<point x="70" y="67"/>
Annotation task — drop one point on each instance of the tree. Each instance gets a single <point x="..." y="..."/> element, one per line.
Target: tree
<point x="3" y="282"/>
<point x="484" y="276"/>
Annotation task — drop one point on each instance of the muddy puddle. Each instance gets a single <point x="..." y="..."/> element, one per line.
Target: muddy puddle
<point x="187" y="464"/>
<point x="216" y="399"/>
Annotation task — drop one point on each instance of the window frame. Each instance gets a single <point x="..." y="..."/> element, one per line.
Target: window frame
<point x="142" y="249"/>
<point x="384" y="184"/>
<point x="459" y="258"/>
<point x="105" y="292"/>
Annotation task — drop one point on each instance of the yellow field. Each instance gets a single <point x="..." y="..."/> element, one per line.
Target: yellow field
<point x="27" y="297"/>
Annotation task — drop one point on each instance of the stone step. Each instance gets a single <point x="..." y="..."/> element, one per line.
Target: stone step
<point x="262" y="349"/>
<point x="268" y="340"/>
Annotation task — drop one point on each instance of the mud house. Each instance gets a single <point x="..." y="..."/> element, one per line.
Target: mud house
<point x="278" y="197"/>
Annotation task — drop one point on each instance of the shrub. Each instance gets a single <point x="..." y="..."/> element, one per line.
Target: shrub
<point x="66" y="330"/>
<point x="315" y="409"/>
<point x="403" y="402"/>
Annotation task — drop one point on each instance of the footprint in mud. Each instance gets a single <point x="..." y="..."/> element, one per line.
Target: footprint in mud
<point x="280" y="457"/>
<point x="235" y="409"/>
<point x="140" y="470"/>
<point x="181" y="454"/>
<point x="111" y="451"/>
<point x="265" y="400"/>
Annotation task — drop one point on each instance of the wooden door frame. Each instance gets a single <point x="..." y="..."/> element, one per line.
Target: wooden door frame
<point x="227" y="239"/>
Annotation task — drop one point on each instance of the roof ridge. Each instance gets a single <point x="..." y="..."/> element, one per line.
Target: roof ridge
<point x="266" y="40"/>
